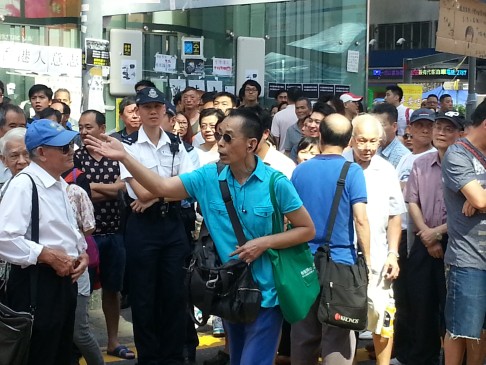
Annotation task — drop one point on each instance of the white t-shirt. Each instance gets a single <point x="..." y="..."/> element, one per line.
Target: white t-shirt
<point x="281" y="122"/>
<point x="385" y="199"/>
<point x="279" y="162"/>
<point x="404" y="168"/>
<point x="404" y="114"/>
<point x="206" y="157"/>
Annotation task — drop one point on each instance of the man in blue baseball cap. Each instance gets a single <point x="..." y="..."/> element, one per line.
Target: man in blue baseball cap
<point x="59" y="257"/>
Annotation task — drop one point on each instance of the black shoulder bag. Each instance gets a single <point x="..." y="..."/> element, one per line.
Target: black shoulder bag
<point x="344" y="301"/>
<point x="227" y="291"/>
<point x="16" y="327"/>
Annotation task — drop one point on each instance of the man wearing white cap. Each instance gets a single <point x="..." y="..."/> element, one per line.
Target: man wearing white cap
<point x="351" y="104"/>
<point x="59" y="258"/>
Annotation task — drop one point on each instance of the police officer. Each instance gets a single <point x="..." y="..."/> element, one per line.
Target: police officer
<point x="156" y="240"/>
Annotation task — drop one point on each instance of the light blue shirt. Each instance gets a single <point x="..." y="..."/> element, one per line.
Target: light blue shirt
<point x="254" y="208"/>
<point x="394" y="152"/>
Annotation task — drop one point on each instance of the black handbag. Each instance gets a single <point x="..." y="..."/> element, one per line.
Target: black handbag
<point x="344" y="300"/>
<point x="16" y="327"/>
<point x="225" y="290"/>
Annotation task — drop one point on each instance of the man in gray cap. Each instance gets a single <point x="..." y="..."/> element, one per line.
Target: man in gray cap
<point x="59" y="258"/>
<point x="421" y="126"/>
<point x="155" y="239"/>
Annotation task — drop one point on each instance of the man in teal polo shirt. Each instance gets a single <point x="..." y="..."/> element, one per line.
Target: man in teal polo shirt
<point x="248" y="180"/>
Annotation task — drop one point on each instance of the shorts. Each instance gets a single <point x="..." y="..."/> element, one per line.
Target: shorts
<point x="465" y="309"/>
<point x="112" y="261"/>
<point x="379" y="294"/>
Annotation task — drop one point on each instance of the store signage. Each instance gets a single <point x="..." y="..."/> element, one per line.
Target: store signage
<point x="397" y="73"/>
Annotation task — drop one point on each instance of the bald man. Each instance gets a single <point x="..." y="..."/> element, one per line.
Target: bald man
<point x="385" y="204"/>
<point x="315" y="181"/>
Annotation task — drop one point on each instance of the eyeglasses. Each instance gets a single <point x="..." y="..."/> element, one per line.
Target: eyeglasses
<point x="208" y="126"/>
<point x="65" y="149"/>
<point x="251" y="89"/>
<point x="226" y="137"/>
<point x="407" y="136"/>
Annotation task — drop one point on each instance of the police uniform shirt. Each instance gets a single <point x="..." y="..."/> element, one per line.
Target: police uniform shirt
<point x="159" y="159"/>
<point x="57" y="224"/>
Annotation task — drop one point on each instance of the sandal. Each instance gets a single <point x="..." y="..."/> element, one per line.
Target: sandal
<point x="122" y="352"/>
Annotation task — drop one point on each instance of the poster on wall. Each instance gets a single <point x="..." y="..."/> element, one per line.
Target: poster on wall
<point x="129" y="71"/>
<point x="97" y="52"/>
<point x="214" y="86"/>
<point x="222" y="67"/>
<point x="193" y="66"/>
<point x="197" y="84"/>
<point x="165" y="63"/>
<point x="352" y="64"/>
<point x="177" y="86"/>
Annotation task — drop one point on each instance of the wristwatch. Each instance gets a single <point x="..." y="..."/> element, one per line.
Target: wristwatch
<point x="438" y="236"/>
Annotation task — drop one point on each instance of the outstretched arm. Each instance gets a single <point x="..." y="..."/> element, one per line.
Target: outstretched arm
<point x="164" y="187"/>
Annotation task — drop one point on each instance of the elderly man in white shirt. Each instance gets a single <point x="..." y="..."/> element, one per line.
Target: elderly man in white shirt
<point x="385" y="204"/>
<point x="60" y="255"/>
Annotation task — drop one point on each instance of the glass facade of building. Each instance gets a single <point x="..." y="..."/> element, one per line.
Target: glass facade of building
<point x="306" y="41"/>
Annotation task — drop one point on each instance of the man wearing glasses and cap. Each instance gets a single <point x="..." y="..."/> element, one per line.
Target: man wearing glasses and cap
<point x="155" y="238"/>
<point x="421" y="126"/>
<point x="59" y="257"/>
<point x="426" y="280"/>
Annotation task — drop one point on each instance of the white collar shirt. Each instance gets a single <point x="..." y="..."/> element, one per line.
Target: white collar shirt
<point x="57" y="224"/>
<point x="385" y="199"/>
<point x="279" y="162"/>
<point x="158" y="158"/>
<point x="5" y="173"/>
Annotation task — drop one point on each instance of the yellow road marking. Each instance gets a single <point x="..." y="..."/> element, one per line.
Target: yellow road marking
<point x="205" y="342"/>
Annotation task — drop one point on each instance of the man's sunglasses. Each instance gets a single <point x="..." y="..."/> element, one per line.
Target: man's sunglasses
<point x="66" y="148"/>
<point x="226" y="137"/>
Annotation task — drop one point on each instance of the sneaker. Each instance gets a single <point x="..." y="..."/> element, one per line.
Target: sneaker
<point x="221" y="358"/>
<point x="218" y="329"/>
<point x="197" y="315"/>
<point x="395" y="361"/>
<point x="365" y="335"/>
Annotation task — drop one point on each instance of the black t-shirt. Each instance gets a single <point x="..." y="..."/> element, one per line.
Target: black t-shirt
<point x="105" y="171"/>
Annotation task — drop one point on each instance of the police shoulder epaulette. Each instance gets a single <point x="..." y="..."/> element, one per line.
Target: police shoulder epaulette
<point x="189" y="147"/>
<point x="173" y="137"/>
<point x="130" y="139"/>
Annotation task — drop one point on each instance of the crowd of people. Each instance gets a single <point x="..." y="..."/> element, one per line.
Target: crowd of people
<point x="121" y="210"/>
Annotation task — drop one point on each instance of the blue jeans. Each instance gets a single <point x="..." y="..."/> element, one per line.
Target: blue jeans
<point x="255" y="343"/>
<point x="465" y="310"/>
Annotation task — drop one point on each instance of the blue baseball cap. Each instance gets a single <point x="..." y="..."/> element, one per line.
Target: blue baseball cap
<point x="150" y="95"/>
<point x="45" y="132"/>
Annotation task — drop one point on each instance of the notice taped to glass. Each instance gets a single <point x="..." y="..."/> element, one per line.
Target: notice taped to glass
<point x="97" y="52"/>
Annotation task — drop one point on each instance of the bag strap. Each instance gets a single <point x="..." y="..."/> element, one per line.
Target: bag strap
<point x="277" y="217"/>
<point x="471" y="148"/>
<point x="34" y="273"/>
<point x="335" y="203"/>
<point x="235" y="221"/>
